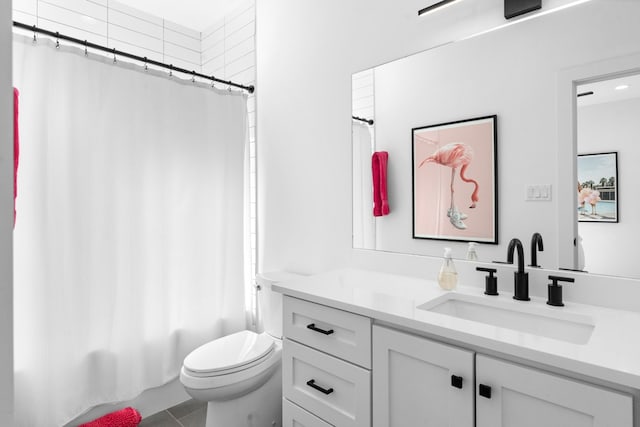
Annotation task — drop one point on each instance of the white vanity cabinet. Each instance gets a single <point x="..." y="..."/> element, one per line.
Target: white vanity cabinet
<point x="417" y="381"/>
<point x="526" y="397"/>
<point x="326" y="366"/>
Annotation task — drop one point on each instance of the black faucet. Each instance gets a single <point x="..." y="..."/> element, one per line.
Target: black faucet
<point x="536" y="245"/>
<point x="521" y="278"/>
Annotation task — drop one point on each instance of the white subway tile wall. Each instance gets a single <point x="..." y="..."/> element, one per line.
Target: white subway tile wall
<point x="226" y="49"/>
<point x="362" y="98"/>
<point x="228" y="52"/>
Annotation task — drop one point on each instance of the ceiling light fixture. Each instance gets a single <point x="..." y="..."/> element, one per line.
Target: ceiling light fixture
<point x="435" y="6"/>
<point x="513" y="8"/>
<point x="622" y="87"/>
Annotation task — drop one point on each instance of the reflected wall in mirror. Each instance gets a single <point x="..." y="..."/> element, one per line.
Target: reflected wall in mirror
<point x="512" y="72"/>
<point x="607" y="120"/>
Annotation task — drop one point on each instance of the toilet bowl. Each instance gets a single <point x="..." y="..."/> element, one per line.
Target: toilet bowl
<point x="239" y="375"/>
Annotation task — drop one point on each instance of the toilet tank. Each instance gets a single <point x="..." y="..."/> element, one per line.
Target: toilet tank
<point x="270" y="302"/>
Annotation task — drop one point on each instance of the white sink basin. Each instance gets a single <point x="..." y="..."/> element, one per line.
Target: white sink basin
<point x="527" y="317"/>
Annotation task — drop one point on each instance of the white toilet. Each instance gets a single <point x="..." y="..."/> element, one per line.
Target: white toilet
<point x="239" y="375"/>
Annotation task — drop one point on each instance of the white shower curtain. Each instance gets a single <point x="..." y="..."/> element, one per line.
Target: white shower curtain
<point x="364" y="223"/>
<point x="130" y="231"/>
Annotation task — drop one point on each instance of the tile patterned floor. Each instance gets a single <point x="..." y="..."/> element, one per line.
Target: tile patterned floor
<point x="188" y="414"/>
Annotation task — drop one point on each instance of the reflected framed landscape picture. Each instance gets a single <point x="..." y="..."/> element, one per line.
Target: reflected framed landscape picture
<point x="454" y="168"/>
<point x="598" y="187"/>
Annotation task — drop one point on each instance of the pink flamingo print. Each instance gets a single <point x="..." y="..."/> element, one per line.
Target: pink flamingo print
<point x="455" y="155"/>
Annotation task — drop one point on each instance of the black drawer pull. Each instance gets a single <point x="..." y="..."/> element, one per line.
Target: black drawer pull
<point x="312" y="326"/>
<point x="312" y="384"/>
<point x="456" y="381"/>
<point x="484" y="391"/>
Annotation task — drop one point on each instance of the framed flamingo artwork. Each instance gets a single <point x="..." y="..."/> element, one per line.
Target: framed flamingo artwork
<point x="455" y="170"/>
<point x="598" y="187"/>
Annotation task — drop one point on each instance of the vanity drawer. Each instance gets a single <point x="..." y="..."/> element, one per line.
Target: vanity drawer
<point x="337" y="332"/>
<point x="334" y="390"/>
<point x="295" y="416"/>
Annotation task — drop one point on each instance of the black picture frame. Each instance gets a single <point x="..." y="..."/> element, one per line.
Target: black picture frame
<point x="598" y="187"/>
<point x="455" y="180"/>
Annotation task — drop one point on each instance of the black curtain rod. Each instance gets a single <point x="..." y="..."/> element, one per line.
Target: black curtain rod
<point x="368" y="121"/>
<point x="146" y="60"/>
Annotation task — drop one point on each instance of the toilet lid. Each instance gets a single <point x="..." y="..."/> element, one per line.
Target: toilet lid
<point x="229" y="352"/>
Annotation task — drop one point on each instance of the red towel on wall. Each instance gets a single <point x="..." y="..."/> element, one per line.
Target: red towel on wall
<point x="16" y="151"/>
<point x="127" y="417"/>
<point x="379" y="170"/>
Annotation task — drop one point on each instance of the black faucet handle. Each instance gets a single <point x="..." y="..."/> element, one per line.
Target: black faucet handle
<point x="555" y="290"/>
<point x="490" y="282"/>
<point x="556" y="279"/>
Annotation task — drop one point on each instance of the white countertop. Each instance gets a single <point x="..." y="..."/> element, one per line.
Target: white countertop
<point x="611" y="354"/>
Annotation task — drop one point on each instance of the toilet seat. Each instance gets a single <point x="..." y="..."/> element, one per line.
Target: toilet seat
<point x="229" y="354"/>
<point x="255" y="356"/>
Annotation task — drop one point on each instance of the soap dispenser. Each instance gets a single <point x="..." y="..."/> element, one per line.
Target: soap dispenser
<point x="472" y="255"/>
<point x="448" y="276"/>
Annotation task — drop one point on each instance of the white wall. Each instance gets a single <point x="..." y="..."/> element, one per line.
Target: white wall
<point x="608" y="247"/>
<point x="307" y="52"/>
<point x="6" y="219"/>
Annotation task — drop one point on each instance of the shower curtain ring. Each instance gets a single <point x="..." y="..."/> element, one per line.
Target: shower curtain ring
<point x="193" y="76"/>
<point x="86" y="52"/>
<point x="146" y="67"/>
<point x="35" y="39"/>
<point x="114" y="55"/>
<point x="170" y="70"/>
<point x="57" y="40"/>
<point x="213" y="81"/>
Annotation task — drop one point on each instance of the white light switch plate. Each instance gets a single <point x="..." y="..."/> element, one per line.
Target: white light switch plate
<point x="538" y="192"/>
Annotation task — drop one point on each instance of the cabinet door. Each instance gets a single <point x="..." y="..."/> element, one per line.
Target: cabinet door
<point x="418" y="382"/>
<point x="526" y="397"/>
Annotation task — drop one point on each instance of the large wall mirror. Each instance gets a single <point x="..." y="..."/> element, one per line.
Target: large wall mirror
<point x="513" y="73"/>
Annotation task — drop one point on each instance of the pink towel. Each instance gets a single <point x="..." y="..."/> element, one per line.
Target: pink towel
<point x="379" y="170"/>
<point x="127" y="417"/>
<point x="16" y="151"/>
